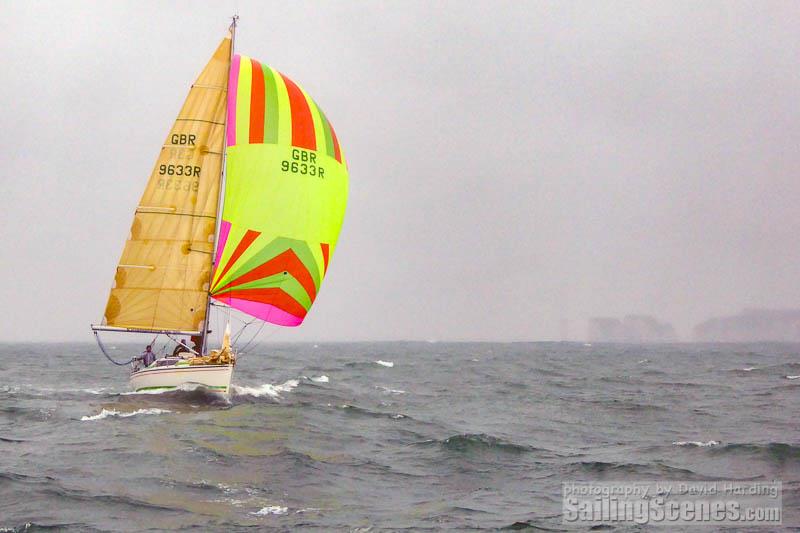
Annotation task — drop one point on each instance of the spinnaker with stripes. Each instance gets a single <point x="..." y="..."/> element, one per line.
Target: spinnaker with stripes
<point x="285" y="196"/>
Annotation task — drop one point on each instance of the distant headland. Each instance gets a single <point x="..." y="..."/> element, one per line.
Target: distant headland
<point x="751" y="325"/>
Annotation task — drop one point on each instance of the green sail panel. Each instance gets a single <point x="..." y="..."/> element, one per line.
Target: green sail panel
<point x="285" y="197"/>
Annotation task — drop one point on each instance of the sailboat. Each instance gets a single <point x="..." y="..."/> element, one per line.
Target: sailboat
<point x="243" y="207"/>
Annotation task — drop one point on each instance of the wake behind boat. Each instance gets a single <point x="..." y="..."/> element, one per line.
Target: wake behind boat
<point x="251" y="146"/>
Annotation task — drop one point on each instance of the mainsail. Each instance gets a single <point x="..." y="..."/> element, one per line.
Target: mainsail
<point x="162" y="279"/>
<point x="285" y="197"/>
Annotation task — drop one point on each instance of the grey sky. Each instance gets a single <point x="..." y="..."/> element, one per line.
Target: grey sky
<point x="513" y="164"/>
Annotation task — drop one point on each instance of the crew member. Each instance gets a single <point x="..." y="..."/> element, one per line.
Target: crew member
<point x="148" y="357"/>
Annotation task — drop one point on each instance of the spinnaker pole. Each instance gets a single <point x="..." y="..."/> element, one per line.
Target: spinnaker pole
<point x="220" y="193"/>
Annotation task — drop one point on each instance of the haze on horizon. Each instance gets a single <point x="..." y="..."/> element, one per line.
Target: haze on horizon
<point x="516" y="168"/>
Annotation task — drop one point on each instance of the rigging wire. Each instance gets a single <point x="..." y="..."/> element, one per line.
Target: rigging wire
<point x="235" y="339"/>
<point x="243" y="350"/>
<point x="245" y="325"/>
<point x="103" y="349"/>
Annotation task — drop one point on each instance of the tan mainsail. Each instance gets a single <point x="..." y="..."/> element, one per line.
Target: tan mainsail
<point x="162" y="279"/>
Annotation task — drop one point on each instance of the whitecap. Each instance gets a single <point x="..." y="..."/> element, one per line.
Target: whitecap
<point x="387" y="390"/>
<point x="792" y="377"/>
<point x="105" y="413"/>
<point x="749" y="368"/>
<point x="95" y="391"/>
<point x="226" y="488"/>
<point x="267" y="389"/>
<point x="389" y="364"/>
<point x="320" y="379"/>
<point x="697" y="443"/>
<point x="229" y="501"/>
<point x="271" y="509"/>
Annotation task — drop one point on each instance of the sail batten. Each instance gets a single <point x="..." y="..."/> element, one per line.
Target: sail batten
<point x="163" y="276"/>
<point x="285" y="197"/>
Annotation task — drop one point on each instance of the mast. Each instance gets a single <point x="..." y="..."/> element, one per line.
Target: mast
<point x="220" y="195"/>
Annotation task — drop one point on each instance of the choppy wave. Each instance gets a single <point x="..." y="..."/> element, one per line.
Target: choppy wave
<point x="773" y="451"/>
<point x="477" y="442"/>
<point x="792" y="377"/>
<point x="271" y="509"/>
<point x="320" y="379"/>
<point x="101" y="390"/>
<point x="697" y="443"/>
<point x="105" y="413"/>
<point x="354" y="409"/>
<point x="267" y="389"/>
<point x="388" y="364"/>
<point x="22" y="478"/>
<point x="628" y="405"/>
<point x="617" y="468"/>
<point x="38" y="392"/>
<point x="387" y="390"/>
<point x="58" y="526"/>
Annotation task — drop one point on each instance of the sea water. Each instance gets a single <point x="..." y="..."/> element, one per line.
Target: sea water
<point x="387" y="436"/>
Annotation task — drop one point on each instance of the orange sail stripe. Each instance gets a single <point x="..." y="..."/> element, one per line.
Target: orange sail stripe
<point x="257" y="104"/>
<point x="325" y="255"/>
<point x="303" y="135"/>
<point x="243" y="245"/>
<point x="285" y="262"/>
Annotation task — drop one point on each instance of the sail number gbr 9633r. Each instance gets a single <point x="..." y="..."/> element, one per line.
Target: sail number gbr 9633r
<point x="177" y="177"/>
<point x="303" y="162"/>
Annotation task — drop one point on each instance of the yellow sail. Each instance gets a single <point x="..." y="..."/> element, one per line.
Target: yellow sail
<point x="162" y="279"/>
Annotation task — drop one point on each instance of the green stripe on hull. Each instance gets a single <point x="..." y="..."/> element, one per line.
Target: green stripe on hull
<point x="170" y="387"/>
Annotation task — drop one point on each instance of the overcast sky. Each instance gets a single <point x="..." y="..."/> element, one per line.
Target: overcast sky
<point x="515" y="167"/>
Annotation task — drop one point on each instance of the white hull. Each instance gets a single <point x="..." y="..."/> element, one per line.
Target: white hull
<point x="213" y="377"/>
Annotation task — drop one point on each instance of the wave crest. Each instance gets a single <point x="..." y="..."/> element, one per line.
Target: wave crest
<point x="479" y="442"/>
<point x="105" y="413"/>
<point x="267" y="389"/>
<point x="773" y="451"/>
<point x="271" y="509"/>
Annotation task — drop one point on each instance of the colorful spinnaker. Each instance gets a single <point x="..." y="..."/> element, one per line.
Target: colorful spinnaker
<point x="284" y="199"/>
